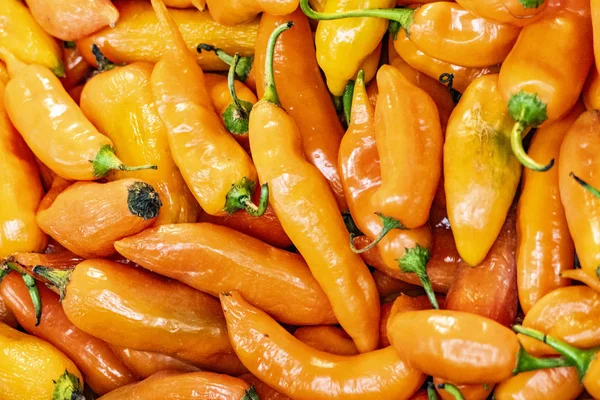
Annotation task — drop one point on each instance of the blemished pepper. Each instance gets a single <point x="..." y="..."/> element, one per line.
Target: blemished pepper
<point x="461" y="347"/>
<point x="215" y="259"/>
<point x="88" y="217"/>
<point x="215" y="167"/>
<point x="233" y="12"/>
<point x="557" y="383"/>
<point x="545" y="248"/>
<point x="513" y="12"/>
<point x="329" y="339"/>
<point x="135" y="37"/>
<point x="591" y="90"/>
<point x="73" y="19"/>
<point x="112" y="100"/>
<point x="301" y="372"/>
<point x="32" y="369"/>
<point x="101" y="368"/>
<point x="300" y="195"/>
<point x="159" y="316"/>
<point x="578" y="160"/>
<point x="22" y="35"/>
<point x="481" y="174"/>
<point x="194" y="385"/>
<point x="147" y="363"/>
<point x="540" y="83"/>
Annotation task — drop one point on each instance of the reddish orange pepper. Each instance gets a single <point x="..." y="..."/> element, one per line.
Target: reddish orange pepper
<point x="545" y="248"/>
<point x="147" y="363"/>
<point x="469" y="392"/>
<point x="329" y="339"/>
<point x="557" y="383"/>
<point x="296" y="370"/>
<point x="6" y="316"/>
<point x="233" y="12"/>
<point x="102" y="370"/>
<point x="513" y="12"/>
<point x="77" y="70"/>
<point x="591" y="90"/>
<point x="386" y="285"/>
<point x="262" y="389"/>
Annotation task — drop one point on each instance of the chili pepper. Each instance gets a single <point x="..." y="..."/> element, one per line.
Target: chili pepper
<point x="587" y="362"/>
<point x="103" y="371"/>
<point x="448" y="391"/>
<point x="61" y="260"/>
<point x="422" y="395"/>
<point x="478" y="198"/>
<point x="32" y="369"/>
<point x="513" y="12"/>
<point x="386" y="285"/>
<point x="582" y="276"/>
<point x="77" y="70"/>
<point x="22" y="36"/>
<point x="193" y="385"/>
<point x="542" y="84"/>
<point x="135" y="37"/>
<point x="217" y="170"/>
<point x="329" y="339"/>
<point x="591" y="90"/>
<point x="146" y="363"/>
<point x="215" y="259"/>
<point x="232" y="12"/>
<point x="301" y="197"/>
<point x="545" y="247"/>
<point x="461" y="347"/>
<point x="578" y="156"/>
<point x="559" y="383"/>
<point x="402" y="303"/>
<point x="296" y="370"/>
<point x="263" y="391"/>
<point x="159" y="316"/>
<point x="111" y="100"/>
<point x="88" y="217"/>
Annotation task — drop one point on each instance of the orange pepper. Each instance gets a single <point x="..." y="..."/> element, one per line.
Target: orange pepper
<point x="192" y="385"/>
<point x="73" y="19"/>
<point x="581" y="276"/>
<point x="595" y="11"/>
<point x="111" y="101"/>
<point x="264" y="391"/>
<point x="200" y="4"/>
<point x="159" y="316"/>
<point x="217" y="259"/>
<point x="102" y="370"/>
<point x="578" y="165"/>
<point x="215" y="167"/>
<point x="62" y="259"/>
<point x="6" y="316"/>
<point x="386" y="285"/>
<point x="77" y="70"/>
<point x="401" y="304"/>
<point x="545" y="247"/>
<point x="300" y="195"/>
<point x="233" y="12"/>
<point x="88" y="217"/>
<point x="147" y="363"/>
<point x="301" y="372"/>
<point x="540" y="83"/>
<point x="478" y="198"/>
<point x="553" y="383"/>
<point x="421" y="395"/>
<point x="591" y="90"/>
<point x="513" y="12"/>
<point x="469" y="392"/>
<point x="329" y="339"/>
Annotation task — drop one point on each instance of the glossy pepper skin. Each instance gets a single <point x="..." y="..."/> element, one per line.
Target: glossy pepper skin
<point x="159" y="316"/>
<point x="22" y="35"/>
<point x="595" y="10"/>
<point x="120" y="103"/>
<point x="102" y="369"/>
<point x="578" y="156"/>
<point x="216" y="259"/>
<point x="171" y="385"/>
<point x="233" y="12"/>
<point x="510" y="12"/>
<point x="72" y="20"/>
<point x="262" y="389"/>
<point x="295" y="369"/>
<point x="559" y="383"/>
<point x="29" y="366"/>
<point x="301" y="198"/>
<point x="146" y="363"/>
<point x="135" y="37"/>
<point x="481" y="174"/>
<point x="77" y="69"/>
<point x="591" y="90"/>
<point x="303" y="94"/>
<point x="545" y="248"/>
<point x="329" y="339"/>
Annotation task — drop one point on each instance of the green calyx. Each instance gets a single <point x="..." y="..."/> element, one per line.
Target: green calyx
<point x="239" y="197"/>
<point x="528" y="109"/>
<point x="516" y="142"/>
<point x="31" y="285"/>
<point x="388" y="223"/>
<point x="595" y="192"/>
<point x="68" y="387"/>
<point x="237" y="115"/>
<point x="453" y="390"/>
<point x="106" y="161"/>
<point x="270" y="89"/>
<point x="531" y="3"/>
<point x="104" y="64"/>
<point x="143" y="200"/>
<point x="250" y="394"/>
<point x="243" y="67"/>
<point x="347" y="100"/>
<point x="58" y="278"/>
<point x="415" y="261"/>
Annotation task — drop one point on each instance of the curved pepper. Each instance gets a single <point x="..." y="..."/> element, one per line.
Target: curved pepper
<point x="147" y="363"/>
<point x="295" y="369"/>
<point x="329" y="339"/>
<point x="557" y="383"/>
<point x="481" y="174"/>
<point x="581" y="276"/>
<point x="112" y="100"/>
<point x="233" y="12"/>
<point x="545" y="248"/>
<point x="513" y="12"/>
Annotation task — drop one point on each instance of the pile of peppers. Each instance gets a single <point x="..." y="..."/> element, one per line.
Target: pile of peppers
<point x="300" y="199"/>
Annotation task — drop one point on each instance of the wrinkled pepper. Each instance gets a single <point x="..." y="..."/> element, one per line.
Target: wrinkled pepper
<point x="234" y="12"/>
<point x="557" y="383"/>
<point x="329" y="339"/>
<point x="147" y="363"/>
<point x="513" y="12"/>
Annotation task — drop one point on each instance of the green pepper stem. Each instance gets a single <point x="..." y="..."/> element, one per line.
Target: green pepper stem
<point x="452" y="389"/>
<point x="237" y="115"/>
<point x="586" y="185"/>
<point x="32" y="288"/>
<point x="270" y="89"/>
<point x="516" y="142"/>
<point x="531" y="3"/>
<point x="403" y="16"/>
<point x="106" y="161"/>
<point x="347" y="100"/>
<point x="389" y="223"/>
<point x="58" y="278"/>
<point x="242" y="70"/>
<point x="67" y="387"/>
<point x="415" y="261"/>
<point x="431" y="394"/>
<point x="231" y="80"/>
<point x="240" y="197"/>
<point x="250" y="394"/>
<point x="350" y="225"/>
<point x="104" y="64"/>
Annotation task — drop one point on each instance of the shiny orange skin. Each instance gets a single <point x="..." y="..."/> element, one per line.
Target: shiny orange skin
<point x="77" y="69"/>
<point x="581" y="276"/>
<point x="402" y="303"/>
<point x="544" y="247"/>
<point x="159" y="316"/>
<point x="409" y="142"/>
<point x="102" y="369"/>
<point x="384" y="317"/>
<point x="147" y="363"/>
<point x="120" y="103"/>
<point x="262" y="389"/>
<point x="551" y="72"/>
<point x="455" y="346"/>
<point x="171" y="385"/>
<point x="216" y="259"/>
<point x="505" y="11"/>
<point x="303" y="94"/>
<point x="578" y="155"/>
<point x="301" y="372"/>
<point x="447" y="32"/>
<point x="233" y="12"/>
<point x="470" y="392"/>
<point x="329" y="339"/>
<point x="591" y="90"/>
<point x="555" y="383"/>
<point x="595" y="10"/>
<point x="591" y="380"/>
<point x="73" y="19"/>
<point x="135" y="37"/>
<point x="185" y="4"/>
